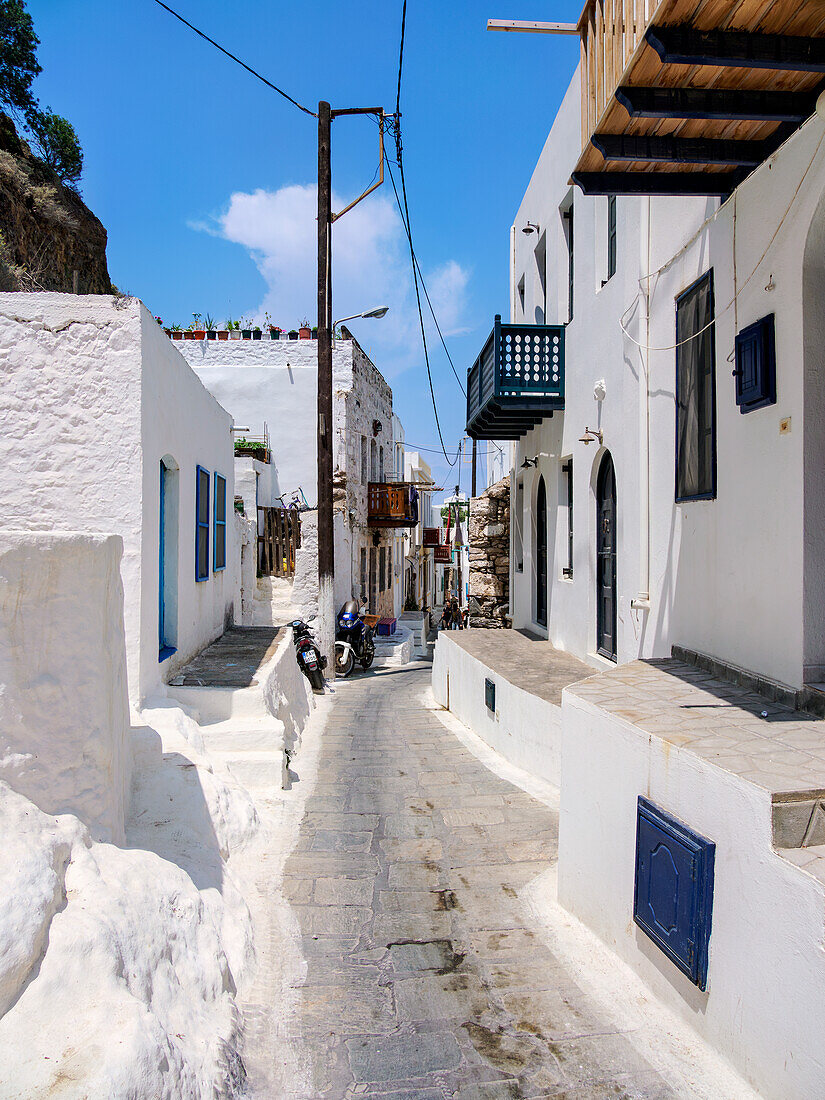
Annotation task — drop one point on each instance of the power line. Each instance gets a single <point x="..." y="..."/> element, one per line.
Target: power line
<point x="243" y="64"/>
<point x="423" y="284"/>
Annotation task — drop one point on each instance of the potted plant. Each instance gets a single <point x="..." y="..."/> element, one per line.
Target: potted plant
<point x="223" y="334"/>
<point x="211" y="327"/>
<point x="234" y="329"/>
<point x="198" y="333"/>
<point x="175" y="332"/>
<point x="189" y="332"/>
<point x="246" y="329"/>
<point x="293" y="334"/>
<point x="314" y="332"/>
<point x="256" y="332"/>
<point x="304" y="331"/>
<point x="275" y="332"/>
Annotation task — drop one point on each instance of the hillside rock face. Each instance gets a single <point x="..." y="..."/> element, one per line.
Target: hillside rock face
<point x="49" y="239"/>
<point x="490" y="555"/>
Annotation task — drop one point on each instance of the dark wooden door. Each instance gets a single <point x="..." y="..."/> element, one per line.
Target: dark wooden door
<point x="606" y="560"/>
<point x="541" y="554"/>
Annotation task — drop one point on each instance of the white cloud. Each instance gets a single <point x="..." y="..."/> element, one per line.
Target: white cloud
<point x="371" y="267"/>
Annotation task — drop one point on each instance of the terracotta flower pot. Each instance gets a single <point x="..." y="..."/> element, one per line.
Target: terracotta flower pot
<point x="305" y="333"/>
<point x="176" y="335"/>
<point x="223" y="334"/>
<point x="199" y="334"/>
<point x="189" y="335"/>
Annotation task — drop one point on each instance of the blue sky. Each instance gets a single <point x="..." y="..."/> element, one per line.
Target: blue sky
<point x="203" y="177"/>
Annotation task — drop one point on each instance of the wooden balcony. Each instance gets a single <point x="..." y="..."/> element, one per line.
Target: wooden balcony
<point x="391" y="505"/>
<point x="431" y="536"/>
<point x="686" y="97"/>
<point x="517" y="380"/>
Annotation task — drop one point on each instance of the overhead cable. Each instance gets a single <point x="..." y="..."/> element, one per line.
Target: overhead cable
<point x="243" y="64"/>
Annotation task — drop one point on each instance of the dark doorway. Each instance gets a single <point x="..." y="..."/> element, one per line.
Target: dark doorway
<point x="606" y="560"/>
<point x="541" y="554"/>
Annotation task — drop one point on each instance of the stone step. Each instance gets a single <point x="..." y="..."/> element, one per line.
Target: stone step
<point x="255" y="770"/>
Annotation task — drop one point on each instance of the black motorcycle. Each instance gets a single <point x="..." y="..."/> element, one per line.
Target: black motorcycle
<point x="353" y="640"/>
<point x="310" y="660"/>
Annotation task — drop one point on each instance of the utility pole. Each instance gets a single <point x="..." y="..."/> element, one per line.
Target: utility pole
<point x="325" y="624"/>
<point x="326" y="552"/>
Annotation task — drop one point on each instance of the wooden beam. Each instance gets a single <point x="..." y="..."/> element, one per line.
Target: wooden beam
<point x="524" y="27"/>
<point x="657" y="183"/>
<point x="683" y="45"/>
<point x="678" y="150"/>
<point x="716" y="103"/>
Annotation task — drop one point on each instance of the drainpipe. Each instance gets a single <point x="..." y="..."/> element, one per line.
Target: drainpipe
<point x="641" y="602"/>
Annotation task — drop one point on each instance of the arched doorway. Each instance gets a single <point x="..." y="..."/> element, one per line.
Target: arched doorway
<point x="541" y="554"/>
<point x="606" y="559"/>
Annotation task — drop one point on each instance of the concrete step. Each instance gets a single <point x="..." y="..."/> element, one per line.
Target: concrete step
<point x="256" y="770"/>
<point x="397" y="649"/>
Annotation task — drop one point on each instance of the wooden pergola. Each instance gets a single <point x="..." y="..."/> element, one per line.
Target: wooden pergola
<point x="686" y="97"/>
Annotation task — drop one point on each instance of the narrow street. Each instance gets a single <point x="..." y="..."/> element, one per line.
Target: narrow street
<point x="425" y="977"/>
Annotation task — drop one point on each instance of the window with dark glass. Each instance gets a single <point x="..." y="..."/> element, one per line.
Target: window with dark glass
<point x="611" y="236"/>
<point x="201" y="524"/>
<point x="567" y="216"/>
<point x="695" y="393"/>
<point x="219" y="536"/>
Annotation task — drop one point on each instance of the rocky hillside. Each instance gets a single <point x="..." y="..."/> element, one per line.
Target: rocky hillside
<point x="49" y="239"/>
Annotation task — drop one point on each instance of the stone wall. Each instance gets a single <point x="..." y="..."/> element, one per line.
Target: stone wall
<point x="490" y="556"/>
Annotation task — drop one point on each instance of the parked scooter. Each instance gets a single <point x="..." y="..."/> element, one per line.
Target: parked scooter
<point x="353" y="640"/>
<point x="310" y="660"/>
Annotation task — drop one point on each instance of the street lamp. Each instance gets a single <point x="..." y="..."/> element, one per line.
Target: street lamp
<point x="379" y="311"/>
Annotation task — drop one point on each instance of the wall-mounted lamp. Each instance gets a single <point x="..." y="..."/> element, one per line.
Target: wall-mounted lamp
<point x="591" y="435"/>
<point x="235" y="428"/>
<point x="528" y="462"/>
<point x="531" y="227"/>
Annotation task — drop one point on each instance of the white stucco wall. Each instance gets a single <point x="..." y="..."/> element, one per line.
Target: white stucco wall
<point x="94" y="396"/>
<point x="526" y="730"/>
<point x="64" y="714"/>
<point x="764" y="1007"/>
<point x="727" y="576"/>
<point x="274" y="384"/>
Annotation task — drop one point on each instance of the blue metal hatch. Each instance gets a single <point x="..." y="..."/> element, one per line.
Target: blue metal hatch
<point x="673" y="899"/>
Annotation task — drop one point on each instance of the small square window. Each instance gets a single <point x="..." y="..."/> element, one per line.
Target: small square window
<point x="755" y="372"/>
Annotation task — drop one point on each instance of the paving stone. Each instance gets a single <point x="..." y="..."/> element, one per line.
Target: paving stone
<point x="343" y="891"/>
<point x="326" y="840"/>
<point x="403" y="1056"/>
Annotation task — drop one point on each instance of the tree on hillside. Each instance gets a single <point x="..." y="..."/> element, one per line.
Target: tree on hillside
<point x="18" y="59"/>
<point x="57" y="144"/>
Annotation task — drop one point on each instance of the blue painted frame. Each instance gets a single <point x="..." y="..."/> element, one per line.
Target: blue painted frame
<point x="201" y="567"/>
<point x="708" y="276"/>
<point x="216" y="523"/>
<point x="673" y="889"/>
<point x="164" y="651"/>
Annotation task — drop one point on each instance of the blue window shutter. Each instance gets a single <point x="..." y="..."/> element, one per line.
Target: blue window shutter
<point x="674" y="889"/>
<point x="219" y="533"/>
<point x="755" y="371"/>
<point x="202" y="486"/>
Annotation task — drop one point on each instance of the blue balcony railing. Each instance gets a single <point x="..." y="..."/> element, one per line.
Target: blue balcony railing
<point x="517" y="380"/>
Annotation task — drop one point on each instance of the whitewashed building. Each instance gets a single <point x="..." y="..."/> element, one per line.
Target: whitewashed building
<point x="663" y="376"/>
<point x="107" y="430"/>
<point x="270" y="387"/>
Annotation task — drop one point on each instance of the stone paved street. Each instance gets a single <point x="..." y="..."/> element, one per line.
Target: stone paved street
<point x="425" y="978"/>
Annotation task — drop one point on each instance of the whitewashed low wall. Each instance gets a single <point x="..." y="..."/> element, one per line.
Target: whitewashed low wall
<point x="286" y="691"/>
<point x="764" y="1008"/>
<point x="64" y="718"/>
<point x="526" y="730"/>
